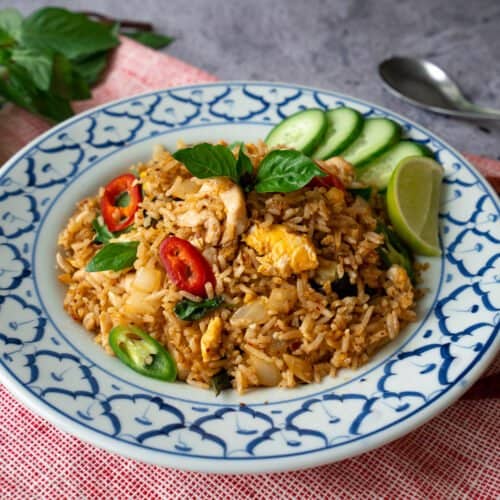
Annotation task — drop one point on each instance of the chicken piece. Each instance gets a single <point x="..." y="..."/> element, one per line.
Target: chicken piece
<point x="283" y="252"/>
<point x="338" y="167"/>
<point x="233" y="199"/>
<point x="211" y="340"/>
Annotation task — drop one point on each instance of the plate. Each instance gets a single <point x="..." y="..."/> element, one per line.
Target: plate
<point x="53" y="366"/>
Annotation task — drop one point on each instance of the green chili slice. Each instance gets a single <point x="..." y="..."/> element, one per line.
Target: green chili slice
<point x="141" y="352"/>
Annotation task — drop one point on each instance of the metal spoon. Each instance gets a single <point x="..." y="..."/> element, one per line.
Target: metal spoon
<point x="426" y="85"/>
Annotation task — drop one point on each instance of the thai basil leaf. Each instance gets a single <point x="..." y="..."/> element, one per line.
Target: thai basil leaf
<point x="189" y="310"/>
<point x="90" y="68"/>
<point x="11" y="22"/>
<point x="394" y="251"/>
<point x="72" y="34"/>
<point x="220" y="381"/>
<point x="5" y="38"/>
<point x="208" y="160"/>
<point x="114" y="257"/>
<point x="66" y="81"/>
<point x="243" y="164"/>
<point x="285" y="170"/>
<point x="102" y="233"/>
<point x="37" y="62"/>
<point x="150" y="39"/>
<point x="364" y="192"/>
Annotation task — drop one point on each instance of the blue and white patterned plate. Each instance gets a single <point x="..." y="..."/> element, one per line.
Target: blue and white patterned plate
<point x="53" y="366"/>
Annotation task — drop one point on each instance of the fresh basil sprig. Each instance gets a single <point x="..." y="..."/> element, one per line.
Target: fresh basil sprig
<point x="281" y="171"/>
<point x="53" y="56"/>
<point x="114" y="257"/>
<point x="189" y="310"/>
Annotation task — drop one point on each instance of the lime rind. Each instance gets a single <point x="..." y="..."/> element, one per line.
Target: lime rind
<point x="413" y="197"/>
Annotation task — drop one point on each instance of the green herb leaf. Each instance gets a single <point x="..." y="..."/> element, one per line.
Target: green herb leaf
<point x="114" y="257"/>
<point x="189" y="310"/>
<point x="18" y="88"/>
<point x="10" y="22"/>
<point x="66" y="82"/>
<point x="90" y="68"/>
<point x="38" y="63"/>
<point x="364" y="192"/>
<point x="74" y="35"/>
<point x="394" y="251"/>
<point x="243" y="165"/>
<point x="5" y="38"/>
<point x="102" y="233"/>
<point x="150" y="39"/>
<point x="208" y="160"/>
<point x="220" y="381"/>
<point x="283" y="171"/>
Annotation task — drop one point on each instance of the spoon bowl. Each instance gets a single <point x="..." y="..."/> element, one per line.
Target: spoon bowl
<point x="426" y="85"/>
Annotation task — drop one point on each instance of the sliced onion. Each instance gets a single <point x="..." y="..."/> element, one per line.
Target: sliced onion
<point x="267" y="372"/>
<point x="254" y="312"/>
<point x="147" y="279"/>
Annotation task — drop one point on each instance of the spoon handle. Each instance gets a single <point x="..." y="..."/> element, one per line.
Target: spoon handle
<point x="479" y="112"/>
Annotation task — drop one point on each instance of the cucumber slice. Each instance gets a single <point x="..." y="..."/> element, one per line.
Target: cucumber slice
<point x="377" y="135"/>
<point x="378" y="171"/>
<point x="302" y="131"/>
<point x="344" y="125"/>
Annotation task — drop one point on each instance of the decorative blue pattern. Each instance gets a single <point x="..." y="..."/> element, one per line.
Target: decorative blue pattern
<point x="38" y="357"/>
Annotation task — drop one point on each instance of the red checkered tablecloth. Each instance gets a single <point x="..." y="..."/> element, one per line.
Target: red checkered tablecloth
<point x="456" y="455"/>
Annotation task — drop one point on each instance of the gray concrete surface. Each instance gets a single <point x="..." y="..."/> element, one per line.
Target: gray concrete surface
<point x="332" y="44"/>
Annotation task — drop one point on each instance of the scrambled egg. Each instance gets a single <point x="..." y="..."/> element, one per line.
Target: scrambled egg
<point x="283" y="252"/>
<point x="211" y="339"/>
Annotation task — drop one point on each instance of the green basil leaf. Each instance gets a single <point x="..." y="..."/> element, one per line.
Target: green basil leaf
<point x="91" y="68"/>
<point x="189" y="310"/>
<point x="208" y="160"/>
<point x="150" y="39"/>
<point x="364" y="192"/>
<point x="221" y="381"/>
<point x="102" y="233"/>
<point x="38" y="63"/>
<point x="66" y="82"/>
<point x="11" y="21"/>
<point x="5" y="38"/>
<point x="18" y="87"/>
<point x="72" y="34"/>
<point x="114" y="257"/>
<point x="394" y="251"/>
<point x="285" y="170"/>
<point x="243" y="165"/>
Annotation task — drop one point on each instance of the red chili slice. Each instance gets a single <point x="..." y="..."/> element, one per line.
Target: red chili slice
<point x="115" y="216"/>
<point x="327" y="181"/>
<point x="186" y="266"/>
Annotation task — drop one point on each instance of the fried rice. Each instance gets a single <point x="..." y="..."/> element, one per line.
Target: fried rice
<point x="284" y="320"/>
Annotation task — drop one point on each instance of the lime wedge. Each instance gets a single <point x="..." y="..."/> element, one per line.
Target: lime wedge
<point x="413" y="197"/>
